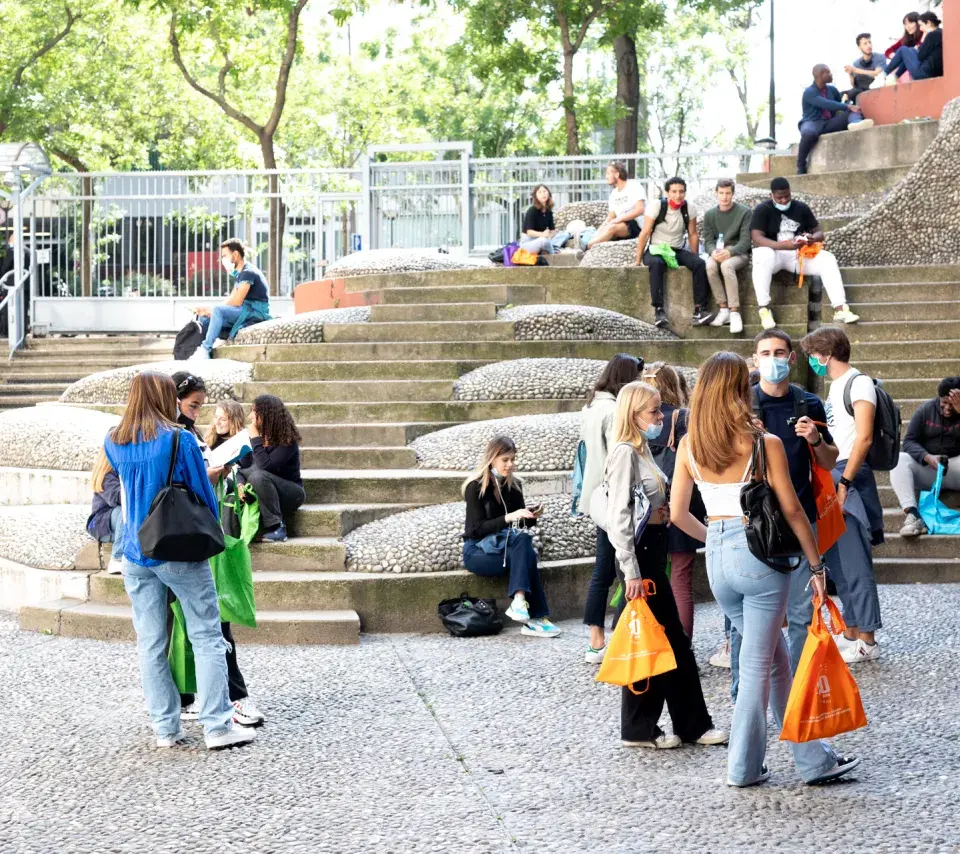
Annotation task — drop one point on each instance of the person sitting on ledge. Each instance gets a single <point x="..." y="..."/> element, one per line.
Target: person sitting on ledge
<point x="726" y="237"/>
<point x="105" y="523"/>
<point x="924" y="61"/>
<point x="495" y="541"/>
<point x="824" y="112"/>
<point x="780" y="227"/>
<point x="539" y="233"/>
<point x="248" y="304"/>
<point x="668" y="222"/>
<point x="627" y="200"/>
<point x="932" y="440"/>
<point x="864" y="70"/>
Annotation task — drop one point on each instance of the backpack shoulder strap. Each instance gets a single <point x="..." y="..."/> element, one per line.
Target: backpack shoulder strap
<point x="800" y="407"/>
<point x="847" y="392"/>
<point x="662" y="213"/>
<point x="755" y="401"/>
<point x="685" y="211"/>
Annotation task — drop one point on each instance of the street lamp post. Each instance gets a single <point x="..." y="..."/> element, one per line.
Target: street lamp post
<point x="773" y="94"/>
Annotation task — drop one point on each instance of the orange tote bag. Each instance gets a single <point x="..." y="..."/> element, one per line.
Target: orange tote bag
<point x="824" y="700"/>
<point x="830" y="523"/>
<point x="639" y="647"/>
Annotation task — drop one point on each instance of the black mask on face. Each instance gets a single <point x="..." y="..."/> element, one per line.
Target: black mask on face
<point x="185" y="421"/>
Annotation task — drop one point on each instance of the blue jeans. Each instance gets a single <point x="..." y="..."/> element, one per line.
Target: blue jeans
<point x="604" y="574"/>
<point x="851" y="567"/>
<point x="192" y="583"/>
<point x="754" y="596"/>
<point x="799" y="615"/>
<point x="521" y="566"/>
<point x="116" y="527"/>
<point x="221" y="316"/>
<point x="547" y="245"/>
<point x="906" y="59"/>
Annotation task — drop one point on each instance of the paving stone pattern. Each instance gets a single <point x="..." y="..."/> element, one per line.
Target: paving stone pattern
<point x="46" y="536"/>
<point x="530" y="379"/>
<point x="372" y="261"/>
<point x="578" y="323"/>
<point x="306" y="328"/>
<point x="434" y="744"/>
<point x="53" y="437"/>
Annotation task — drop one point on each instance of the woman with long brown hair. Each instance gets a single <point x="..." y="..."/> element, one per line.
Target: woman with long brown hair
<point x="140" y="449"/>
<point x="630" y="465"/>
<point x="719" y="455"/>
<point x="539" y="232"/>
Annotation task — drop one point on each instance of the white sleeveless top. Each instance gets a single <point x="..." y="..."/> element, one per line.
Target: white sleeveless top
<point x="721" y="499"/>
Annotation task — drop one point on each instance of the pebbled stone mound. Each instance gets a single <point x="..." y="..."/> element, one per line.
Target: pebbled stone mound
<point x="592" y="213"/>
<point x="822" y="206"/>
<point x="43" y="536"/>
<point x="219" y="376"/>
<point x="65" y="438"/>
<point x="373" y="261"/>
<point x="917" y="222"/>
<point x="616" y="253"/>
<point x="544" y="442"/>
<point x="428" y="539"/>
<point x="530" y="379"/>
<point x="306" y="328"/>
<point x="578" y="323"/>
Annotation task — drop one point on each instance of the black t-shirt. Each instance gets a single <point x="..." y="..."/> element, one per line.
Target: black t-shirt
<point x="258" y="283"/>
<point x="775" y="411"/>
<point x="537" y="220"/>
<point x="783" y="225"/>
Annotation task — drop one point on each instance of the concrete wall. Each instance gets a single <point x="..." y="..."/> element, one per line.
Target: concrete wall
<point x="19" y="487"/>
<point x="875" y="148"/>
<point x="24" y="585"/>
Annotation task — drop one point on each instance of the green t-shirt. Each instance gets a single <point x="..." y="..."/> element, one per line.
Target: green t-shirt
<point x="733" y="224"/>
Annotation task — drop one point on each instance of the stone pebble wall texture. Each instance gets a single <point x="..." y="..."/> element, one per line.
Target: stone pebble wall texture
<point x="429" y="539"/>
<point x="43" y="536"/>
<point x="374" y="261"/>
<point x="219" y="376"/>
<point x="530" y="379"/>
<point x="306" y="328"/>
<point x="917" y="222"/>
<point x="592" y="213"/>
<point x="578" y="323"/>
<point x="65" y="438"/>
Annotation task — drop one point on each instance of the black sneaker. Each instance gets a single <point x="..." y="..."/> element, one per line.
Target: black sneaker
<point x="661" y="318"/>
<point x="844" y="765"/>
<point x="701" y="316"/>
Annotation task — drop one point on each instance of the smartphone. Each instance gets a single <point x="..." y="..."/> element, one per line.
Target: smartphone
<point x="535" y="508"/>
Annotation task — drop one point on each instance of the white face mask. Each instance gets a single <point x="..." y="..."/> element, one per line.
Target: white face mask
<point x="227" y="263"/>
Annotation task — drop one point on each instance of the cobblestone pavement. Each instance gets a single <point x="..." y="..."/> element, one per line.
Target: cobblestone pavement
<point x="428" y="743"/>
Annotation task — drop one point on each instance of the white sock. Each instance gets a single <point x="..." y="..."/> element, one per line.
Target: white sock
<point x="520" y="600"/>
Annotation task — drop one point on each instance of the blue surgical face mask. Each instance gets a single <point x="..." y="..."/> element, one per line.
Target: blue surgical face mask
<point x="780" y="207"/>
<point x="820" y="369"/>
<point x="772" y="369"/>
<point x="495" y="473"/>
<point x="652" y="431"/>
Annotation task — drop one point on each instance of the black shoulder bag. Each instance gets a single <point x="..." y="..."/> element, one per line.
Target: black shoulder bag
<point x="769" y="536"/>
<point x="179" y="525"/>
<point x="470" y="616"/>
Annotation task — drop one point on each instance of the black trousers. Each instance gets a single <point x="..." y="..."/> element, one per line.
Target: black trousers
<point x="811" y="131"/>
<point x="604" y="574"/>
<point x="679" y="688"/>
<point x="685" y="258"/>
<point x="278" y="497"/>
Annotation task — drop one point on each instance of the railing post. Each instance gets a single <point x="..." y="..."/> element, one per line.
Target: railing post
<point x="14" y="307"/>
<point x="365" y="214"/>
<point x="466" y="216"/>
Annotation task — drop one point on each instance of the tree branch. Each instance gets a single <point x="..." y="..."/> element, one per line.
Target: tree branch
<point x="293" y="22"/>
<point x="45" y="48"/>
<point x="70" y="159"/>
<point x="596" y="13"/>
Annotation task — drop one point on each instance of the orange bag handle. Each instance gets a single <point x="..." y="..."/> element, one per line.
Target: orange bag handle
<point x="638" y="693"/>
<point x="648" y="588"/>
<point x="837" y="624"/>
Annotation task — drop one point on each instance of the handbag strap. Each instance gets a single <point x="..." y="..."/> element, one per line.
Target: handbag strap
<point x="759" y="458"/>
<point x="673" y="429"/>
<point x="173" y="455"/>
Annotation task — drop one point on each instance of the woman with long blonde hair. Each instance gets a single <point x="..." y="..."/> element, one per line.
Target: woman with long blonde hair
<point x="719" y="455"/>
<point x="228" y="420"/>
<point x="495" y="541"/>
<point x="140" y="450"/>
<point x="630" y="464"/>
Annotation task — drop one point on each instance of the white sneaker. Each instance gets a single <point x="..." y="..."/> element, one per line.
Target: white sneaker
<point x="661" y="742"/>
<point x="844" y="315"/>
<point x="115" y="566"/>
<point x="519" y="610"/>
<point x="860" y="651"/>
<point x="766" y="318"/>
<point x="199" y="354"/>
<point x="713" y="737"/>
<point x="721" y="658"/>
<point x="722" y="318"/>
<point x="540" y="628"/>
<point x="863" y="124"/>
<point x="594" y="656"/>
<point x="246" y="713"/>
<point x="736" y="323"/>
<point x="191" y="712"/>
<point x="233" y="737"/>
<point x="172" y="741"/>
<point x="914" y="526"/>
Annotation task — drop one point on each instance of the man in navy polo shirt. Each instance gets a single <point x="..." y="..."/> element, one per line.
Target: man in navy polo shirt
<point x="789" y="412"/>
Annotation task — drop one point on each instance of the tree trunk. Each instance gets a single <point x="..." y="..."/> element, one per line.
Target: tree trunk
<point x="628" y="95"/>
<point x="278" y="216"/>
<point x="569" y="103"/>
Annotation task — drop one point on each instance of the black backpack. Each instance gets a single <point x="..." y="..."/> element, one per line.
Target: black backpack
<point x="662" y="215"/>
<point x="470" y="616"/>
<point x="796" y="392"/>
<point x="188" y="339"/>
<point x="884" y="453"/>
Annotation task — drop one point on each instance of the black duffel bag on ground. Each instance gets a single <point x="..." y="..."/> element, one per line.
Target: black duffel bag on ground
<point x="179" y="525"/>
<point x="470" y="616"/>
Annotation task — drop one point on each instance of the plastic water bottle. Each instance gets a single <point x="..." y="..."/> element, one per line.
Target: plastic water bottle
<point x="719" y="242"/>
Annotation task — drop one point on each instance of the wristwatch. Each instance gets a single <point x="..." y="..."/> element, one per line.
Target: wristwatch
<point x="819" y="441"/>
<point x="845" y="482"/>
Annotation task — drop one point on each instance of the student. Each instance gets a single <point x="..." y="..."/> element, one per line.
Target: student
<point x="828" y="352"/>
<point x="779" y="228"/>
<point x="248" y="304"/>
<point x="824" y="112"/>
<point x="493" y="540"/>
<point x="864" y="70"/>
<point x="139" y="449"/>
<point x="932" y="440"/>
<point x="912" y="34"/>
<point x="726" y="237"/>
<point x="718" y="455"/>
<point x="275" y="472"/>
<point x="627" y="200"/>
<point x="924" y="61"/>
<point x="666" y="224"/>
<point x="596" y="432"/>
<point x="228" y="420"/>
<point x="105" y="523"/>
<point x="639" y="421"/>
<point x="539" y="234"/>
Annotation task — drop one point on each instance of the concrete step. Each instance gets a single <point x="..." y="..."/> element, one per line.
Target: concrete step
<point x="493" y="330"/>
<point x="906" y="330"/>
<point x="101" y="621"/>
<point x="899" y="292"/>
<point x="851" y="182"/>
<point x="130" y="356"/>
<point x="795" y="330"/>
<point x="905" y="570"/>
<point x="900" y="311"/>
<point x="431" y="369"/>
<point x="20" y="375"/>
<point x="907" y="388"/>
<point x="910" y="368"/>
<point x="299" y="553"/>
<point x="51" y="390"/>
<point x="930" y="548"/>
<point x="367" y="435"/>
<point x="364" y="391"/>
<point x="497" y="294"/>
<point x="16" y="401"/>
<point x="923" y="274"/>
<point x="338" y="520"/>
<point x="873" y="351"/>
<point x="341" y="457"/>
<point x="450" y="410"/>
<point x="442" y="311"/>
<point x="883" y="145"/>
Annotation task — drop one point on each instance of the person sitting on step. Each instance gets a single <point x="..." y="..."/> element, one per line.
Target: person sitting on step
<point x="669" y="223"/>
<point x="926" y="59"/>
<point x="105" y="523"/>
<point x="539" y="233"/>
<point x="781" y="226"/>
<point x="932" y="440"/>
<point x="627" y="200"/>
<point x="864" y="70"/>
<point x="726" y="237"/>
<point x="495" y="538"/>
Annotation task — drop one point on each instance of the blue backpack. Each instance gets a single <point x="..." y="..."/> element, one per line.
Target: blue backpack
<point x="579" y="465"/>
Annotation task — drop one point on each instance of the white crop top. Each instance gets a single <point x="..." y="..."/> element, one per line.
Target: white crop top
<point x="721" y="499"/>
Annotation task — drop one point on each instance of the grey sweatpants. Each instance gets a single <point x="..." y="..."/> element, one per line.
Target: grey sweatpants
<point x="910" y="477"/>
